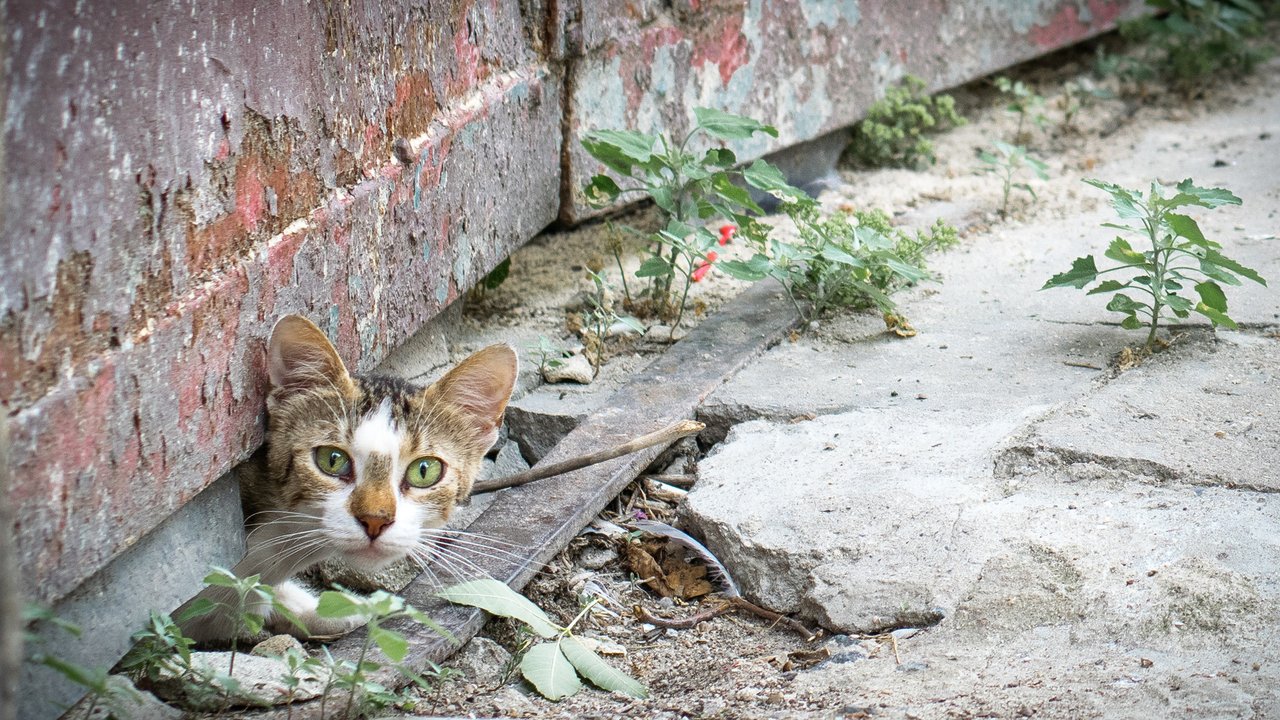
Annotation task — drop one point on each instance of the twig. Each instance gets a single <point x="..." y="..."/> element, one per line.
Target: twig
<point x="733" y="603"/>
<point x="1081" y="364"/>
<point x="665" y="436"/>
<point x="680" y="481"/>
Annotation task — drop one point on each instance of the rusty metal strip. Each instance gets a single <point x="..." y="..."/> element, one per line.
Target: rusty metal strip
<point x="541" y="518"/>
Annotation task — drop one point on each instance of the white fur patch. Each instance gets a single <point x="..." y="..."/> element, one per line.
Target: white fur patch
<point x="377" y="433"/>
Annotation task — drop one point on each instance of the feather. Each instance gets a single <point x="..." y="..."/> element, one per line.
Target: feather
<point x="715" y="569"/>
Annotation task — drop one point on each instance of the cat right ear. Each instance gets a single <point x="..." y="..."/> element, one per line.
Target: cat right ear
<point x="302" y="358"/>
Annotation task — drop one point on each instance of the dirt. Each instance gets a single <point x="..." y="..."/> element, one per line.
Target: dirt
<point x="738" y="665"/>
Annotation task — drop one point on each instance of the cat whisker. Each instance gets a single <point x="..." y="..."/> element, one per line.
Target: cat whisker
<point x="475" y="548"/>
<point x="450" y="533"/>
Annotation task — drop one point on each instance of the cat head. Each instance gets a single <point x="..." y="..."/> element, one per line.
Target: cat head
<point x="376" y="460"/>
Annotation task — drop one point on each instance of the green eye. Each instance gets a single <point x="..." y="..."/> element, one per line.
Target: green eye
<point x="332" y="461"/>
<point x="424" y="472"/>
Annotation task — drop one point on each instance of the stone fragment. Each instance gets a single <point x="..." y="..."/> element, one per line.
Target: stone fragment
<point x="573" y="369"/>
<point x="482" y="662"/>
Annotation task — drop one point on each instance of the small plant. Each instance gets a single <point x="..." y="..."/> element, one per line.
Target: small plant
<point x="688" y="188"/>
<point x="894" y="132"/>
<point x="248" y="597"/>
<point x="365" y="694"/>
<point x="553" y="665"/>
<point x="1006" y="162"/>
<point x="1023" y="102"/>
<point x="104" y="691"/>
<point x="548" y="354"/>
<point x="493" y="280"/>
<point x="1179" y="254"/>
<point x="600" y="314"/>
<point x="842" y="260"/>
<point x="1189" y="42"/>
<point x="1077" y="96"/>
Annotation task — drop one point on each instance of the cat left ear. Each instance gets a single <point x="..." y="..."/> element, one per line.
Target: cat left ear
<point x="301" y="357"/>
<point x="481" y="385"/>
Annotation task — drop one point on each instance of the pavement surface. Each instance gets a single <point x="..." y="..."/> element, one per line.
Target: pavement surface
<point x="1074" y="540"/>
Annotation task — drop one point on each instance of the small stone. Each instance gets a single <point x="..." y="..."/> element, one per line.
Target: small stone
<point x="1145" y="662"/>
<point x="594" y="557"/>
<point x="905" y="633"/>
<point x="276" y="646"/>
<point x="481" y="662"/>
<point x="259" y="683"/>
<point x="509" y="701"/>
<point x="622" y="328"/>
<point x="747" y="694"/>
<point x="664" y="334"/>
<point x="914" y="666"/>
<point x="574" y="369"/>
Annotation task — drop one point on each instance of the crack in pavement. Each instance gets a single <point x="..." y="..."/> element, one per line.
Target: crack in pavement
<point x="1023" y="460"/>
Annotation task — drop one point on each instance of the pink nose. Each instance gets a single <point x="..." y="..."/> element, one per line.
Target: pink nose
<point x="374" y="524"/>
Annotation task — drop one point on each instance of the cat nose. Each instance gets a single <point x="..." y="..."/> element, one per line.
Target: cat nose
<point x="375" y="524"/>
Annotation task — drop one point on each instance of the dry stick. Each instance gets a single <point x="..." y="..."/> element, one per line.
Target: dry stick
<point x="720" y="609"/>
<point x="667" y="435"/>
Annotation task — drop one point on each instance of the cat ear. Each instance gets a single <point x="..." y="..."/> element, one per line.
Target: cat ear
<point x="481" y="386"/>
<point x="301" y="358"/>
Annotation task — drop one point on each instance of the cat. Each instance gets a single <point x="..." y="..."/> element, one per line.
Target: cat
<point x="358" y="467"/>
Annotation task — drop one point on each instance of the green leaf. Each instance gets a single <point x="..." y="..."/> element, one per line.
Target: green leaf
<point x="1211" y="295"/>
<point x="601" y="191"/>
<point x="633" y="146"/>
<point x="549" y="671"/>
<point x="496" y="598"/>
<point x="906" y="270"/>
<point x="1217" y="317"/>
<point x="1107" y="286"/>
<point x="199" y="607"/>
<point x="654" y="267"/>
<point x="725" y="126"/>
<point x="423" y="619"/>
<point x="334" y="604"/>
<point x="720" y="157"/>
<point x="1189" y="194"/>
<point x="1177" y="303"/>
<point x="763" y="176"/>
<point x="1125" y="304"/>
<point x="1186" y="227"/>
<point x="1121" y="251"/>
<point x="601" y="674"/>
<point x="1127" y="203"/>
<point x="1131" y="323"/>
<point x="734" y="194"/>
<point x="742" y="270"/>
<point x="391" y="643"/>
<point x="222" y="577"/>
<point x="1083" y="271"/>
<point x="1213" y="257"/>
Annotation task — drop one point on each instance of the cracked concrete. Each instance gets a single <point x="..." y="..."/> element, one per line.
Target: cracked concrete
<point x="1081" y="541"/>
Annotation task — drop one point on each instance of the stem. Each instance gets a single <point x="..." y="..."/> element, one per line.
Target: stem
<point x="617" y="257"/>
<point x="667" y="435"/>
<point x="688" y="281"/>
<point x="357" y="677"/>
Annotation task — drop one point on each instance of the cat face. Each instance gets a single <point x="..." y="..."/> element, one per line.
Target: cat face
<point x="367" y="463"/>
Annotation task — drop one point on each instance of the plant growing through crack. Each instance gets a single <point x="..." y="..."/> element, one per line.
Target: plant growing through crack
<point x="599" y="315"/>
<point x="1187" y="43"/>
<point x="688" y="188"/>
<point x="548" y="354"/>
<point x="375" y="611"/>
<point x="554" y="665"/>
<point x="1179" y="254"/>
<point x="896" y="129"/>
<point x="1023" y="102"/>
<point x="1006" y="163"/>
<point x="105" y="692"/>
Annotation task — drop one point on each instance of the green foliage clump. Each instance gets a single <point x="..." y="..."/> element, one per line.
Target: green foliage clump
<point x="844" y="260"/>
<point x="1179" y="254"/>
<point x="1191" y="42"/>
<point x="1007" y="163"/>
<point x="894" y="133"/>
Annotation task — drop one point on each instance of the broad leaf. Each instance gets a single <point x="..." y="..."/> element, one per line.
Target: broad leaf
<point x="734" y="194"/>
<point x="636" y="147"/>
<point x="905" y="269"/>
<point x="1107" y="286"/>
<point x="549" y="671"/>
<point x="1127" y="203"/>
<point x="496" y="598"/>
<point x="1189" y="194"/>
<point x="1217" y="317"/>
<point x="391" y="643"/>
<point x="725" y="126"/>
<point x="763" y="176"/>
<point x="743" y="270"/>
<point x="1186" y="227"/>
<point x="1212" y="296"/>
<point x="201" y="606"/>
<point x="335" y="604"/>
<point x="602" y="190"/>
<point x="1121" y="251"/>
<point x="1213" y="257"/>
<point x="1125" y="304"/>
<point x="1131" y="323"/>
<point x="654" y="267"/>
<point x="1178" y="303"/>
<point x="720" y="157"/>
<point x="222" y="577"/>
<point x="1083" y="271"/>
<point x="600" y="673"/>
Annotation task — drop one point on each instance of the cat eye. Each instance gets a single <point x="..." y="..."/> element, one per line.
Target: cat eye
<point x="332" y="461"/>
<point x="424" y="472"/>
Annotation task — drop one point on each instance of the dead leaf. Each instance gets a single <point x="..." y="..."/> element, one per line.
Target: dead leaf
<point x="898" y="325"/>
<point x="804" y="659"/>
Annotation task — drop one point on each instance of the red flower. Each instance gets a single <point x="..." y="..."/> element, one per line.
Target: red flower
<point x="703" y="267"/>
<point x="726" y="233"/>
